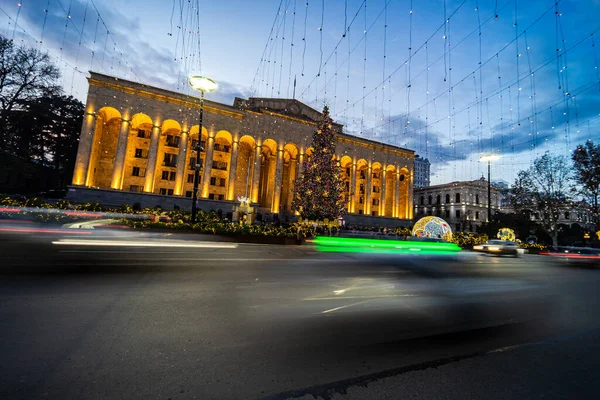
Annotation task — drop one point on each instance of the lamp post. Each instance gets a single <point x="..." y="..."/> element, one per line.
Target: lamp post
<point x="489" y="158"/>
<point x="202" y="84"/>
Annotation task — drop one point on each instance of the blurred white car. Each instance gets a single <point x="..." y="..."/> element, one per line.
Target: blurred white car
<point x="500" y="247"/>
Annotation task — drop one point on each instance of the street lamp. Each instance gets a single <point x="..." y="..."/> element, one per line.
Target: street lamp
<point x="489" y="158"/>
<point x="203" y="84"/>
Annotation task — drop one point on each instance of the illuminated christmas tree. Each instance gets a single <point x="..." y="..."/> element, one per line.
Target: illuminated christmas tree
<point x="319" y="191"/>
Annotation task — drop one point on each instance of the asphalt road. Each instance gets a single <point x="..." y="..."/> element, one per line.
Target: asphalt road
<point x="130" y="316"/>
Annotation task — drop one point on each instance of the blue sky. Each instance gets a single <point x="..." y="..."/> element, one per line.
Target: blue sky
<point x="469" y="110"/>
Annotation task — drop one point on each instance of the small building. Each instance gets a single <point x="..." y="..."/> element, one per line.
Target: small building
<point x="464" y="204"/>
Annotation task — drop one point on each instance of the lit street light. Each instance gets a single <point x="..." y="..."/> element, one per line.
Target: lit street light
<point x="489" y="158"/>
<point x="202" y="84"/>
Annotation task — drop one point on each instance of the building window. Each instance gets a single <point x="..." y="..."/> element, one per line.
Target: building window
<point x="375" y="202"/>
<point x="172" y="175"/>
<point x="422" y="200"/>
<point x="374" y="213"/>
<point x="222" y="182"/>
<point x="221" y="197"/>
<point x="447" y="199"/>
<point x="138" y="171"/>
<point x="170" y="160"/>
<point x="567" y="215"/>
<point x="188" y="193"/>
<point x="347" y="171"/>
<point x="211" y="196"/>
<point x="476" y="199"/>
<point x="190" y="178"/>
<point x="362" y="175"/>
<point x="430" y="200"/>
<point x="361" y="200"/>
<point x="135" y="188"/>
<point x="360" y="212"/>
<point x="165" y="175"/>
<point x="457" y="197"/>
<point x="172" y="141"/>
<point x="376" y="189"/>
<point x="376" y="175"/>
<point x="447" y="213"/>
<point x="457" y="213"/>
<point x="143" y="134"/>
<point x="213" y="181"/>
<point x="168" y="175"/>
<point x="476" y="214"/>
<point x="362" y="189"/>
<point x="162" y="191"/>
<point x="401" y="178"/>
<point x="220" y="165"/>
<point x="192" y="164"/>
<point x="438" y="199"/>
<point x="141" y="153"/>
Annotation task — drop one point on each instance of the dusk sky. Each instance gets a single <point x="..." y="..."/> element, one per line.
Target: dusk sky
<point x="472" y="85"/>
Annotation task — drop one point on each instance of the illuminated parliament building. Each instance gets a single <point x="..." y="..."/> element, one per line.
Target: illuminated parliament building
<point x="137" y="145"/>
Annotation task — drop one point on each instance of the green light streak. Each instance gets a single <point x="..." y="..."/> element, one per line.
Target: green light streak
<point x="359" y="245"/>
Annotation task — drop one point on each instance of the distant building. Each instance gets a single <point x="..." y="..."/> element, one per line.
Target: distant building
<point x="422" y="172"/>
<point x="573" y="213"/>
<point x="462" y="204"/>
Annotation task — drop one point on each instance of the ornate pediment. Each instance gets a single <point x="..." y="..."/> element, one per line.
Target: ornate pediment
<point x="289" y="107"/>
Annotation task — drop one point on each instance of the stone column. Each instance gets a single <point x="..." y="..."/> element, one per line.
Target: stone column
<point x="152" y="159"/>
<point x="118" y="171"/>
<point x="232" y="170"/>
<point x="382" y="194"/>
<point x="409" y="202"/>
<point x="84" y="150"/>
<point x="397" y="196"/>
<point x="256" y="174"/>
<point x="353" y="193"/>
<point x="181" y="164"/>
<point x="277" y="183"/>
<point x="368" y="191"/>
<point x="300" y="165"/>
<point x="208" y="159"/>
<point x="292" y="183"/>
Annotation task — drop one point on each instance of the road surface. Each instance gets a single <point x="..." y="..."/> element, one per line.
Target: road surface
<point x="176" y="317"/>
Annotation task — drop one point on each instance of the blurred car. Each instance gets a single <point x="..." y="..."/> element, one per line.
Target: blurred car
<point x="585" y="256"/>
<point x="499" y="247"/>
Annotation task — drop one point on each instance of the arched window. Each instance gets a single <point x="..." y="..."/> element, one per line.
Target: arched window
<point x="438" y="199"/>
<point x="476" y="199"/>
<point x="458" y="197"/>
<point x="430" y="199"/>
<point x="447" y="199"/>
<point x="567" y="215"/>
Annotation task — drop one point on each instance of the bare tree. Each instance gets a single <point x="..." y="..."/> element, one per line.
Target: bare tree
<point x="25" y="74"/>
<point x="544" y="188"/>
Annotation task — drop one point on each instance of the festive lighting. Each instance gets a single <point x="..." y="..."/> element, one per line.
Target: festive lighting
<point x="202" y="83"/>
<point x="320" y="187"/>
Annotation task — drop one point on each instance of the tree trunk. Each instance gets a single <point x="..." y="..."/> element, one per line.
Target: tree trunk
<point x="555" y="239"/>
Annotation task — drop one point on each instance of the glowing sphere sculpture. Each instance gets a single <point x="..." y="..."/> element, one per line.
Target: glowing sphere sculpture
<point x="432" y="227"/>
<point x="506" y="234"/>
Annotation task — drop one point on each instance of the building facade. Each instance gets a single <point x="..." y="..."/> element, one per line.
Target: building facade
<point x="141" y="140"/>
<point x="464" y="205"/>
<point x="422" y="172"/>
